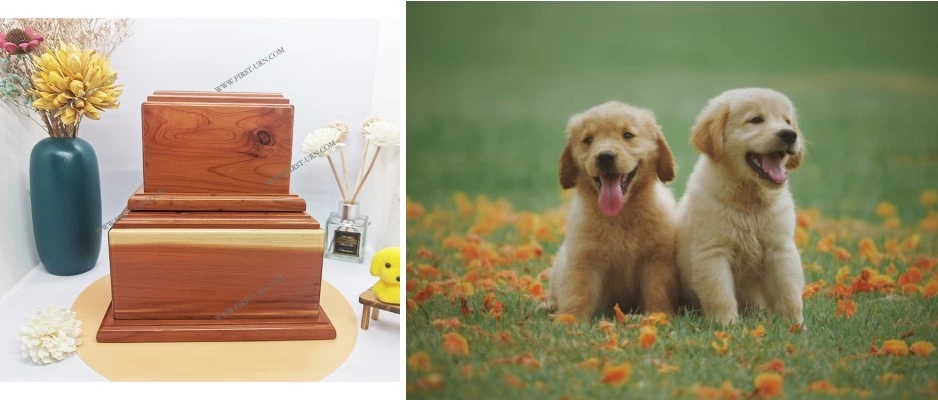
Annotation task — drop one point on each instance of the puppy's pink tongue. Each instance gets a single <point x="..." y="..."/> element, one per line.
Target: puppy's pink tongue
<point x="772" y="165"/>
<point x="611" y="197"/>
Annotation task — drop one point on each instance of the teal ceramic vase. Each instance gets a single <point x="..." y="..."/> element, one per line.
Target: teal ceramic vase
<point x="65" y="190"/>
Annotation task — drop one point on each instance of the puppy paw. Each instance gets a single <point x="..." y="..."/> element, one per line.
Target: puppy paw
<point x="726" y="318"/>
<point x="547" y="307"/>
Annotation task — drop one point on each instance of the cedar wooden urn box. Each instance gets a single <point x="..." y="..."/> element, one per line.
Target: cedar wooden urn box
<point x="214" y="246"/>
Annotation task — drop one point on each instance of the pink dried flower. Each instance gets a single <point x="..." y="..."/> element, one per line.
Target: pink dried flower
<point x="20" y="41"/>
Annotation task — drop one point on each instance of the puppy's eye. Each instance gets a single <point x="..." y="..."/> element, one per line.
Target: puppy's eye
<point x="627" y="135"/>
<point x="787" y="121"/>
<point x="387" y="265"/>
<point x="756" y="120"/>
<point x="588" y="140"/>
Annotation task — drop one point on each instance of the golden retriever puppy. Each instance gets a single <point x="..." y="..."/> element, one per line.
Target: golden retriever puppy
<point x="619" y="244"/>
<point x="736" y="220"/>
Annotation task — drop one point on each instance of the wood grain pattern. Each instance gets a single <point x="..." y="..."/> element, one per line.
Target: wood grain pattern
<point x="142" y="201"/>
<point x="371" y="305"/>
<point x="213" y="219"/>
<point x="371" y="300"/>
<point x="184" y="273"/>
<point x="135" y="331"/>
<point x="170" y="98"/>
<point x="217" y="148"/>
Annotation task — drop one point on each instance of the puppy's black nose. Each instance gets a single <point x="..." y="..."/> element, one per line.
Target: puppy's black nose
<point x="788" y="136"/>
<point x="606" y="160"/>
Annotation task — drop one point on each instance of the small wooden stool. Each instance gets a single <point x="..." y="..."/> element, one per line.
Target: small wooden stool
<point x="371" y="305"/>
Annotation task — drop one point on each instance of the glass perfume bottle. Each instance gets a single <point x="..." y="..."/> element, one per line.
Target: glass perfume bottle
<point x="345" y="234"/>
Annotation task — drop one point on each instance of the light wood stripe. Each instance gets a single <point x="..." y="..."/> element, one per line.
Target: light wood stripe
<point x="251" y="238"/>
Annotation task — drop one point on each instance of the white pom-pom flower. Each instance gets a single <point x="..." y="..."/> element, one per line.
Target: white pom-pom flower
<point x="342" y="128"/>
<point x="50" y="336"/>
<point x="322" y="142"/>
<point x="382" y="133"/>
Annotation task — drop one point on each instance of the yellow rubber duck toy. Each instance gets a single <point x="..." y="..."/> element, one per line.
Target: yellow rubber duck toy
<point x="386" y="265"/>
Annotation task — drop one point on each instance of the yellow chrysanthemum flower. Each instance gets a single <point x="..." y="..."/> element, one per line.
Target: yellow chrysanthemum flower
<point x="73" y="83"/>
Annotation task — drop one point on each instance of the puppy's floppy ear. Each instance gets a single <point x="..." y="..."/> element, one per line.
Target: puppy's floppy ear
<point x="707" y="134"/>
<point x="568" y="168"/>
<point x="666" y="166"/>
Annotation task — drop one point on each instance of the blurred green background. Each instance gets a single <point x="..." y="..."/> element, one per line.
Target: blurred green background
<point x="491" y="85"/>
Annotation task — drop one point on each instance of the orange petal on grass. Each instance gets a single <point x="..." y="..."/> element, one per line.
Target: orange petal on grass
<point x="565" y="319"/>
<point x="415" y="210"/>
<point x="466" y="371"/>
<point x="513" y="380"/>
<point x="842" y="274"/>
<point x="909" y="288"/>
<point x="655" y="319"/>
<point x="419" y="361"/>
<point x="589" y="363"/>
<point x="895" y="348"/>
<point x="930" y="289"/>
<point x="768" y="384"/>
<point x="889" y="377"/>
<point x="822" y="386"/>
<point x="842" y="254"/>
<point x="620" y="316"/>
<point x="607" y="327"/>
<point x="528" y="361"/>
<point x="796" y="327"/>
<point x="647" y="336"/>
<point x="812" y="288"/>
<point x="411" y="305"/>
<point x="928" y="197"/>
<point x="502" y="337"/>
<point x="451" y="323"/>
<point x="846" y="308"/>
<point x="663" y="367"/>
<point x="432" y="382"/>
<point x="617" y="375"/>
<point x="758" y="332"/>
<point x="801" y="237"/>
<point x="789" y="348"/>
<point x="826" y="244"/>
<point x="892" y="223"/>
<point x="930" y="222"/>
<point x="922" y="348"/>
<point x="721" y="347"/>
<point x="911" y="275"/>
<point x="885" y="209"/>
<point x="454" y="343"/>
<point x="839" y="291"/>
<point x="774" y="365"/>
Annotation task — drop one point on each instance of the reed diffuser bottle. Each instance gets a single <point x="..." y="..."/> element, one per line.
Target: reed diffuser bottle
<point x="346" y="229"/>
<point x="345" y="233"/>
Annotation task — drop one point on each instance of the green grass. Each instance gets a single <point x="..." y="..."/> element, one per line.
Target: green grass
<point x="489" y="90"/>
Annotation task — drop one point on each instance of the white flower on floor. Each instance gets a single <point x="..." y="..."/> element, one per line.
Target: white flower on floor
<point x="382" y="133"/>
<point x="322" y="142"/>
<point x="49" y="336"/>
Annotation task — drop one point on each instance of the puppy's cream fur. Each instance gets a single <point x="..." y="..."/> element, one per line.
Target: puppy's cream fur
<point x="627" y="258"/>
<point x="735" y="243"/>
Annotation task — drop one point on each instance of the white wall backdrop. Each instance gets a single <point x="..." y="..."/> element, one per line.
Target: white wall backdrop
<point x="328" y="70"/>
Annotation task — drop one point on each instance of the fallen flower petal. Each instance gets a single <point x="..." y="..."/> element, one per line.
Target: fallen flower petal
<point x="922" y="348"/>
<point x="768" y="384"/>
<point x="454" y="343"/>
<point x="617" y="375"/>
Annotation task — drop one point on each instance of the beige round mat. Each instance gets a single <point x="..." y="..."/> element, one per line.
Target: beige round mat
<point x="308" y="360"/>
